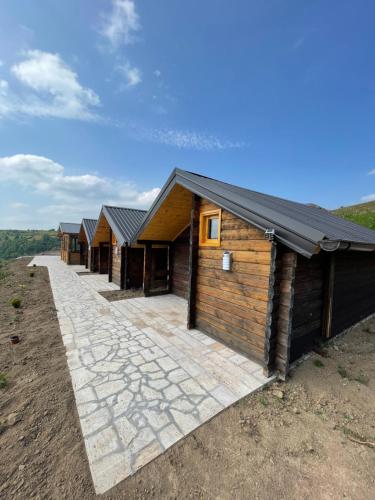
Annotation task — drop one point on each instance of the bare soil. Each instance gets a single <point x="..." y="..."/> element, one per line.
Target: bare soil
<point x="310" y="437"/>
<point x="113" y="295"/>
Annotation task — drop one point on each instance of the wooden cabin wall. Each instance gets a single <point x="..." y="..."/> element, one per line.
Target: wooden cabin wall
<point x="134" y="268"/>
<point x="64" y="252"/>
<point x="233" y="306"/>
<point x="116" y="264"/>
<point x="307" y="320"/>
<point x="282" y="311"/>
<point x="180" y="264"/>
<point x="353" y="289"/>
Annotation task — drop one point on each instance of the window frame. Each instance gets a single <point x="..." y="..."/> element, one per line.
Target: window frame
<point x="204" y="217"/>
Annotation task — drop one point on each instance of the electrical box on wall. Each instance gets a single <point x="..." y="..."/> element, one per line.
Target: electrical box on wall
<point x="227" y="261"/>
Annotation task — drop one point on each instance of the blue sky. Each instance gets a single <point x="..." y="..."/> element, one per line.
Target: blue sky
<point x="100" y="99"/>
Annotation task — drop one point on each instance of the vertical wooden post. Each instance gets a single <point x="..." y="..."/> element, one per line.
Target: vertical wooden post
<point x="170" y="267"/>
<point x="147" y="268"/>
<point x="328" y="295"/>
<point x="124" y="268"/>
<point x="193" y="260"/>
<point x="110" y="256"/>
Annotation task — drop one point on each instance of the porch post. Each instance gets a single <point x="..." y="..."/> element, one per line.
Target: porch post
<point x="147" y="268"/>
<point x="124" y="268"/>
<point x="170" y="267"/>
<point x="110" y="256"/>
<point x="193" y="260"/>
<point x="328" y="295"/>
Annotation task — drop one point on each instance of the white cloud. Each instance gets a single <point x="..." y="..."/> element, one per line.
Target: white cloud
<point x="121" y="23"/>
<point x="132" y="75"/>
<point x="53" y="90"/>
<point x="157" y="73"/>
<point x="18" y="204"/>
<point x="188" y="140"/>
<point x="369" y="197"/>
<point x="75" y="195"/>
<point x="372" y="172"/>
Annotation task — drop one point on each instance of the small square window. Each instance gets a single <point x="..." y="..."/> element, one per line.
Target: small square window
<point x="209" y="230"/>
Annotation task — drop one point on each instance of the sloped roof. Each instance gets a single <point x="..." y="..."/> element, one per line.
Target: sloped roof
<point x="304" y="228"/>
<point x="124" y="222"/>
<point x="89" y="228"/>
<point x="69" y="227"/>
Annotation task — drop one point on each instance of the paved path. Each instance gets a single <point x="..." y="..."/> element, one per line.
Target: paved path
<point x="141" y="380"/>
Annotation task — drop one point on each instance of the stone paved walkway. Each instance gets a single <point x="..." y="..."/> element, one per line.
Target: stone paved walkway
<point x="141" y="380"/>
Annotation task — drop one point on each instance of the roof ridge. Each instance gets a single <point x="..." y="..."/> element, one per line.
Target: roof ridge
<point x="126" y="208"/>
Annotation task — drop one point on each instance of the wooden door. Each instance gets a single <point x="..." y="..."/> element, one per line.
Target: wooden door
<point x="103" y="258"/>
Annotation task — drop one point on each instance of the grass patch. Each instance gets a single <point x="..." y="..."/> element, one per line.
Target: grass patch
<point x="16" y="303"/>
<point x="264" y="401"/>
<point x="362" y="379"/>
<point x="342" y="372"/>
<point x="3" y="380"/>
<point x="318" y="363"/>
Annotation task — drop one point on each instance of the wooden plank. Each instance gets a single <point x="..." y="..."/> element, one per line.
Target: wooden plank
<point x="238" y="288"/>
<point x="147" y="268"/>
<point x="285" y="279"/>
<point x="247" y="245"/>
<point x="245" y="279"/>
<point x="243" y="234"/>
<point x="234" y="298"/>
<point x="225" y="335"/>
<point x="238" y="256"/>
<point x="193" y="261"/>
<point x="237" y="267"/>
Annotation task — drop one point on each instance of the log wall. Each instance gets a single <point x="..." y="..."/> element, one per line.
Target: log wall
<point x="233" y="306"/>
<point x="116" y="264"/>
<point x="180" y="264"/>
<point x="282" y="312"/>
<point x="307" y="321"/>
<point x="353" y="289"/>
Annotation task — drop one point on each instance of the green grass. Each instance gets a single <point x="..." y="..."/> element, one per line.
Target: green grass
<point x="15" y="243"/>
<point x="363" y="214"/>
<point x="342" y="372"/>
<point x="16" y="302"/>
<point x="318" y="363"/>
<point x="3" y="380"/>
<point x="362" y="379"/>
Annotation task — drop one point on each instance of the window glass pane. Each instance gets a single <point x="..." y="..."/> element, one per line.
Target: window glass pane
<point x="213" y="228"/>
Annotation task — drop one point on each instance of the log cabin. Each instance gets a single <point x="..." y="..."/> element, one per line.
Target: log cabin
<point x="69" y="246"/>
<point x="112" y="236"/>
<point x="88" y="253"/>
<point x="267" y="276"/>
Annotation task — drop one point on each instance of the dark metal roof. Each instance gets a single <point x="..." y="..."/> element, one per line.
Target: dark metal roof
<point x="89" y="226"/>
<point x="300" y="226"/>
<point x="124" y="222"/>
<point x="69" y="227"/>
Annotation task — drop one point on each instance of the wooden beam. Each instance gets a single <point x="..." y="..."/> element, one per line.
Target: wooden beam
<point x="124" y="268"/>
<point x="110" y="256"/>
<point x="328" y="297"/>
<point x="147" y="268"/>
<point x="269" y="331"/>
<point x="282" y="315"/>
<point x="193" y="261"/>
<point x="170" y="267"/>
<point x="155" y="242"/>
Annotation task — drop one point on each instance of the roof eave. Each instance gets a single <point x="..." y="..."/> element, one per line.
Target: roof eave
<point x="336" y="245"/>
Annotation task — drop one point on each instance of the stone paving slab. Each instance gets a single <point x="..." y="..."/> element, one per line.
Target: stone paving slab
<point x="142" y="381"/>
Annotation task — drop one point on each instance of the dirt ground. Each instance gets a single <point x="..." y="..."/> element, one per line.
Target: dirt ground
<point x="113" y="295"/>
<point x="310" y="437"/>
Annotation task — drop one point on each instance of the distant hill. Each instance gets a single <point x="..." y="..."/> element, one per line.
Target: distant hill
<point x="363" y="214"/>
<point x="14" y="243"/>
